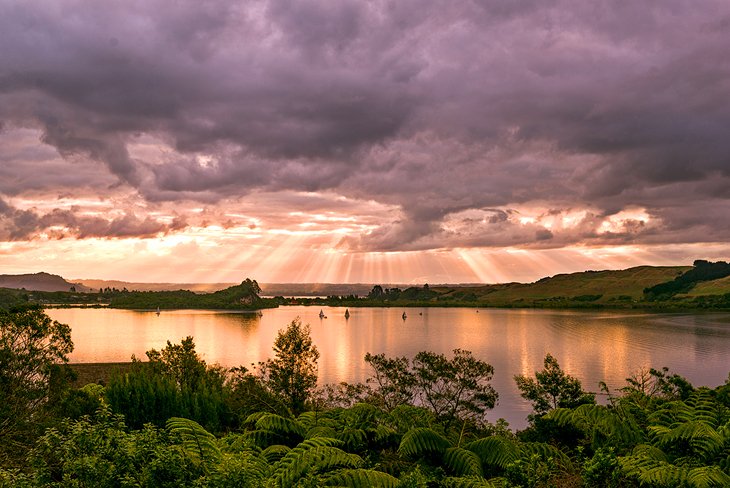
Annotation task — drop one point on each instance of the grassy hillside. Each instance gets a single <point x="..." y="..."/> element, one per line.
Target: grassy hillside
<point x="588" y="286"/>
<point x="714" y="287"/>
<point x="39" y="282"/>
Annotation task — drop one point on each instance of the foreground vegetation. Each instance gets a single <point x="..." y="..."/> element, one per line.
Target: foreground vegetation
<point x="174" y="420"/>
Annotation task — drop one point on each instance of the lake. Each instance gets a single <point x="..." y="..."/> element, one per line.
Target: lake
<point x="593" y="346"/>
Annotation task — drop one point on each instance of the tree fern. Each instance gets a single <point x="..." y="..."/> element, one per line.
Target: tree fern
<point x="251" y="420"/>
<point x="421" y="441"/>
<point x="281" y="425"/>
<point x="298" y="463"/>
<point x="274" y="453"/>
<point x="495" y="451"/>
<point x="357" y="478"/>
<point x="355" y="439"/>
<point x="321" y="431"/>
<point x="244" y="469"/>
<point x="463" y="462"/>
<point x="704" y="440"/>
<point x="198" y="444"/>
<point x="596" y="419"/>
<point x="266" y="438"/>
<point x="311" y="419"/>
<point x="545" y="451"/>
<point x="292" y="456"/>
<point x="708" y="476"/>
<point x="663" y="474"/>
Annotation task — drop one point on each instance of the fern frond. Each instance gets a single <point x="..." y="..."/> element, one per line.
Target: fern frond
<point x="463" y="462"/>
<point x="708" y="476"/>
<point x="354" y="439"/>
<point x="281" y="425"/>
<point x="321" y="431"/>
<point x="357" y="478"/>
<point x="704" y="440"/>
<point x="310" y="420"/>
<point x="266" y="438"/>
<point x="545" y="451"/>
<point x="314" y="460"/>
<point x="274" y="453"/>
<point x="237" y="443"/>
<point x="495" y="451"/>
<point x="591" y="418"/>
<point x="246" y="465"/>
<point x="421" y="441"/>
<point x="251" y="420"/>
<point x="198" y="444"/>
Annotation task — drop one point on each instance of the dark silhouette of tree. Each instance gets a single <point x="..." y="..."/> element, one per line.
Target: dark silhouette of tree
<point x="293" y="371"/>
<point x="30" y="345"/>
<point x="552" y="388"/>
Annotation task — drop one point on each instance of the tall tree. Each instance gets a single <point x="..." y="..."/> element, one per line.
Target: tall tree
<point x="456" y="389"/>
<point x="293" y="371"/>
<point x="552" y="388"/>
<point x="392" y="382"/>
<point x="30" y="345"/>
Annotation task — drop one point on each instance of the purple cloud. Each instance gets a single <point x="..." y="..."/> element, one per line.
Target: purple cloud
<point x="434" y="107"/>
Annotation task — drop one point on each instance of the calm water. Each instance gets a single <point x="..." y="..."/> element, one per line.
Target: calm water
<point x="593" y="346"/>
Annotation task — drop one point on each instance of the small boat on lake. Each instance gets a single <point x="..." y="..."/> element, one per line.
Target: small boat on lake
<point x="158" y="311"/>
<point x="347" y="313"/>
<point x="405" y="316"/>
<point x="321" y="314"/>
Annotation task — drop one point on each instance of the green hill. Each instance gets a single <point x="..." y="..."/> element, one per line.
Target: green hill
<point x="588" y="286"/>
<point x="715" y="287"/>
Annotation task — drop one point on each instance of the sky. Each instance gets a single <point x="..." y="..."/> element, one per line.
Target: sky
<point x="404" y="141"/>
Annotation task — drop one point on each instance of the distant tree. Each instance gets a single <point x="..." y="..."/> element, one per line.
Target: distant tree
<point x="30" y="345"/>
<point x="552" y="388"/>
<point x="293" y="371"/>
<point x="376" y="293"/>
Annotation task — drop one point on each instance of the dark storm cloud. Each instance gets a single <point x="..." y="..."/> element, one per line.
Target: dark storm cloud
<point x="437" y="107"/>
<point x="18" y="224"/>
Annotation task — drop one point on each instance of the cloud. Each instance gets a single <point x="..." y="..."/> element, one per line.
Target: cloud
<point x="436" y="108"/>
<point x="19" y="224"/>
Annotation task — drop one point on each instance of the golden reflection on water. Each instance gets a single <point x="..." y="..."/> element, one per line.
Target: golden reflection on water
<point x="593" y="346"/>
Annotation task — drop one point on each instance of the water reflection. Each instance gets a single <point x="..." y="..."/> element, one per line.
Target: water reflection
<point x="593" y="346"/>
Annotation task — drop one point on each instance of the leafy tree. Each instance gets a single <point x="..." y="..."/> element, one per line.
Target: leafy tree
<point x="457" y="389"/>
<point x="376" y="293"/>
<point x="99" y="451"/>
<point x="293" y="371"/>
<point x="175" y="382"/>
<point x="182" y="364"/>
<point x="392" y="380"/>
<point x="552" y="388"/>
<point x="30" y="344"/>
<point x="454" y="389"/>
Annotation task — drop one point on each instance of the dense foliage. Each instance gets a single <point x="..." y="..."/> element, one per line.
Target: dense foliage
<point x="701" y="271"/>
<point x="176" y="421"/>
<point x="31" y="346"/>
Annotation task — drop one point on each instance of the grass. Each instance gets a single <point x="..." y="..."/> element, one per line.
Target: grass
<point x="714" y="287"/>
<point x="599" y="286"/>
